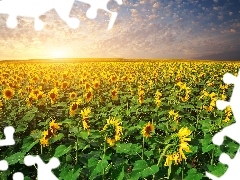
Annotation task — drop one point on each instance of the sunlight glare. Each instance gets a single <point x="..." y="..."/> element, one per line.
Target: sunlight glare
<point x="58" y="54"/>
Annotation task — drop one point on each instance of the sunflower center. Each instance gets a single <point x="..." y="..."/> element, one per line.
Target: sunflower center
<point x="89" y="94"/>
<point x="74" y="107"/>
<point x="52" y="96"/>
<point x="8" y="93"/>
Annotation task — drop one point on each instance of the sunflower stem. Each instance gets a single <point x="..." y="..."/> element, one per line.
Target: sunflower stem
<point x="163" y="153"/>
<point x="211" y="163"/>
<point x="41" y="149"/>
<point x="76" y="158"/>
<point x="142" y="148"/>
<point x="104" y="152"/>
<point x="183" y="168"/>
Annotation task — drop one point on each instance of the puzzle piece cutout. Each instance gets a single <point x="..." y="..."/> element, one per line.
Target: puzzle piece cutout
<point x="232" y="131"/>
<point x="100" y="4"/>
<point x="8" y="141"/>
<point x="18" y="176"/>
<point x="36" y="8"/>
<point x="233" y="167"/>
<point x="44" y="170"/>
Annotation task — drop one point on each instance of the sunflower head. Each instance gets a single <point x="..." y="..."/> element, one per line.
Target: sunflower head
<point x="114" y="94"/>
<point x="85" y="113"/>
<point x="112" y="130"/>
<point x="8" y="93"/>
<point x="54" y="126"/>
<point x="72" y="95"/>
<point x="64" y="85"/>
<point x="53" y="95"/>
<point x="89" y="96"/>
<point x="147" y="130"/>
<point x="72" y="109"/>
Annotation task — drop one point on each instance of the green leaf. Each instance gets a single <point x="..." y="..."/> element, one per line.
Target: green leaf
<point x="28" y="144"/>
<point x="193" y="174"/>
<point x="61" y="150"/>
<point x="150" y="171"/>
<point x="84" y="135"/>
<point x="138" y="167"/>
<point x="29" y="115"/>
<point x="15" y="158"/>
<point x="129" y="148"/>
<point x="218" y="170"/>
<point x="207" y="148"/>
<point x="57" y="138"/>
<point x="118" y="173"/>
<point x="21" y="127"/>
<point x="92" y="162"/>
<point x="69" y="174"/>
<point x="101" y="165"/>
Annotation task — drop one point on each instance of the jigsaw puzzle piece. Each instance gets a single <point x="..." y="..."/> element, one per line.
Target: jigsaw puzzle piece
<point x="18" y="176"/>
<point x="100" y="4"/>
<point x="8" y="141"/>
<point x="44" y="170"/>
<point x="234" y="100"/>
<point x="233" y="167"/>
<point x="232" y="131"/>
<point x="63" y="8"/>
<point x="26" y="8"/>
<point x="3" y="165"/>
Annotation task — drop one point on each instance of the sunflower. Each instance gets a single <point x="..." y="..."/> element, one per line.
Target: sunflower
<point x="112" y="131"/>
<point x="53" y="94"/>
<point x="40" y="95"/>
<point x="44" y="141"/>
<point x="87" y="86"/>
<point x="182" y="134"/>
<point x="85" y="113"/>
<point x="141" y="96"/>
<point x="35" y="91"/>
<point x="29" y="101"/>
<point x="96" y="84"/>
<point x="148" y="128"/>
<point x="85" y="125"/>
<point x="28" y="89"/>
<point x="114" y="94"/>
<point x="89" y="96"/>
<point x="158" y="96"/>
<point x="8" y="93"/>
<point x="53" y="126"/>
<point x="174" y="115"/>
<point x="73" y="108"/>
<point x="72" y="95"/>
<point x="64" y="85"/>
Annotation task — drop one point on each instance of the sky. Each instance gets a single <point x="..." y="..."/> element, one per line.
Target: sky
<point x="182" y="29"/>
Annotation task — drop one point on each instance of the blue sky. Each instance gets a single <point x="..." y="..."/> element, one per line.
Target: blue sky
<point x="143" y="29"/>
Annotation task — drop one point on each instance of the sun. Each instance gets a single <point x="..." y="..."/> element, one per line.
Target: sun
<point x="58" y="54"/>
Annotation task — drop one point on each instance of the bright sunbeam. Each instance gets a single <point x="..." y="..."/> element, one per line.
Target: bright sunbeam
<point x="58" y="54"/>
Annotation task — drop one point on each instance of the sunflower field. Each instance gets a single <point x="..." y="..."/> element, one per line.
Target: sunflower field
<point x="116" y="120"/>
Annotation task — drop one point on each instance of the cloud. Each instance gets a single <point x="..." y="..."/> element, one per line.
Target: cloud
<point x="144" y="28"/>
